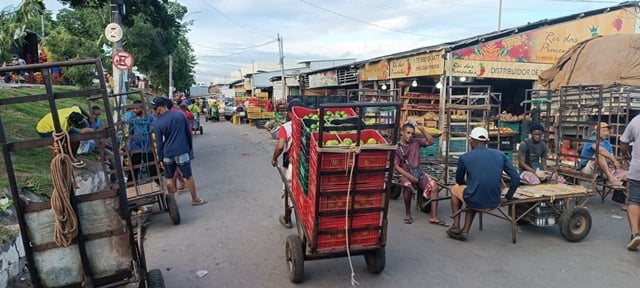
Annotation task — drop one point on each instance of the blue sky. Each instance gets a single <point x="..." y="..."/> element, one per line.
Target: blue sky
<point x="229" y="35"/>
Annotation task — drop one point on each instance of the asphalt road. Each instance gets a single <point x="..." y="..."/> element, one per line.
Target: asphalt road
<point x="238" y="240"/>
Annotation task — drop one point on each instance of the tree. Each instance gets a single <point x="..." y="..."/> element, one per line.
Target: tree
<point x="13" y="24"/>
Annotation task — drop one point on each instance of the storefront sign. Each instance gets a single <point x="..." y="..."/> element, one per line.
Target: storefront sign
<point x="546" y="45"/>
<point x="493" y="69"/>
<point x="374" y="71"/>
<point x="418" y="65"/>
<point x="323" y="79"/>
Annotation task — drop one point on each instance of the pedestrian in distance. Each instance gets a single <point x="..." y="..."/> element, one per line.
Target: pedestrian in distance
<point x="174" y="141"/>
<point x="479" y="182"/>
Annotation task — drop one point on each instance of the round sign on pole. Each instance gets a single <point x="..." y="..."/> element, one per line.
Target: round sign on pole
<point x="122" y="60"/>
<point x="113" y="32"/>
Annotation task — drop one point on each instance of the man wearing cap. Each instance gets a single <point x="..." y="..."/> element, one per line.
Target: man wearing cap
<point x="478" y="182"/>
<point x="72" y="119"/>
<point x="174" y="141"/>
<point x="606" y="161"/>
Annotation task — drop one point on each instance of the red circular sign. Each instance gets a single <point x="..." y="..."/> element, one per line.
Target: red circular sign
<point x="122" y="60"/>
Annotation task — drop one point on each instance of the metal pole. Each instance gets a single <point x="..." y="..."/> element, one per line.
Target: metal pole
<point x="499" y="15"/>
<point x="284" y="81"/>
<point x="170" y="76"/>
<point x="117" y="46"/>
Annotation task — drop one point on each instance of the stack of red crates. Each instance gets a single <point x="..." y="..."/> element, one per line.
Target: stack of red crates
<point x="367" y="189"/>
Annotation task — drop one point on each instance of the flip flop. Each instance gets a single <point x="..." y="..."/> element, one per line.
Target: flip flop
<point x="439" y="223"/>
<point x="202" y="201"/>
<point x="408" y="221"/>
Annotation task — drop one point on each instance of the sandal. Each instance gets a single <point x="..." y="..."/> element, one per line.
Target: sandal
<point x="200" y="201"/>
<point x="408" y="221"/>
<point x="439" y="223"/>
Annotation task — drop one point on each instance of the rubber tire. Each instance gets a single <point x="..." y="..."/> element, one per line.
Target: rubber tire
<point x="172" y="206"/>
<point x="375" y="260"/>
<point x="155" y="279"/>
<point x="201" y="131"/>
<point x="396" y="191"/>
<point x="426" y="208"/>
<point x="294" y="258"/>
<point x="228" y="118"/>
<point x="575" y="224"/>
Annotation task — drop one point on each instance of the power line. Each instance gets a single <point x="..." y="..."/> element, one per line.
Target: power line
<point x="369" y="23"/>
<point x="245" y="27"/>
<point x="231" y="49"/>
<point x="243" y="51"/>
<point x="422" y="16"/>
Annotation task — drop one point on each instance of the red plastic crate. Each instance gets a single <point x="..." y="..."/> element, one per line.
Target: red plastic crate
<point x="338" y="241"/>
<point x="340" y="183"/>
<point x="339" y="202"/>
<point x="330" y="223"/>
<point x="343" y="161"/>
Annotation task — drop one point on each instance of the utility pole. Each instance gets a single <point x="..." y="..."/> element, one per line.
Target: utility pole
<point x="170" y="76"/>
<point x="499" y="15"/>
<point x="284" y="84"/>
<point x="117" y="8"/>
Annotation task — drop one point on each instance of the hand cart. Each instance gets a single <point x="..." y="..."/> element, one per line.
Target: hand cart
<point x="338" y="215"/>
<point x="101" y="248"/>
<point x="547" y="205"/>
<point x="144" y="178"/>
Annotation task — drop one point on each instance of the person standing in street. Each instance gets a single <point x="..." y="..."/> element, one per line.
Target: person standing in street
<point x="174" y="141"/>
<point x="631" y="133"/>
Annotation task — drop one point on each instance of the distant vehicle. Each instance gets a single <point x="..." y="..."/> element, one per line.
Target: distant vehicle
<point x="229" y="109"/>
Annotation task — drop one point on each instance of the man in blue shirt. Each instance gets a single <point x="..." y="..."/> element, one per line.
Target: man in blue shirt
<point x="139" y="145"/>
<point x="605" y="157"/>
<point x="174" y="141"/>
<point x="482" y="188"/>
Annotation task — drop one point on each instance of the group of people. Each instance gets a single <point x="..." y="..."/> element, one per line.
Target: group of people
<point x="173" y="139"/>
<point x="479" y="171"/>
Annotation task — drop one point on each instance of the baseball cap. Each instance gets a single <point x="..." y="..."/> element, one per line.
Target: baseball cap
<point x="77" y="120"/>
<point x="183" y="105"/>
<point x="158" y="102"/>
<point x="479" y="134"/>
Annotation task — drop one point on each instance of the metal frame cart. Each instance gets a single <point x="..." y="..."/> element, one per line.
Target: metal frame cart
<point x="341" y="204"/>
<point x="145" y="190"/>
<point x="105" y="252"/>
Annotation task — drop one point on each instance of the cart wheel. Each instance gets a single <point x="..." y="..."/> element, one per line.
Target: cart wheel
<point x="396" y="191"/>
<point x="200" y="129"/>
<point x="423" y="204"/>
<point x="295" y="258"/>
<point x="155" y="279"/>
<point x="172" y="205"/>
<point x="375" y="260"/>
<point x="575" y="224"/>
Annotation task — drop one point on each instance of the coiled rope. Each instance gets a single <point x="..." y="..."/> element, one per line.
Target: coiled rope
<point x="66" y="221"/>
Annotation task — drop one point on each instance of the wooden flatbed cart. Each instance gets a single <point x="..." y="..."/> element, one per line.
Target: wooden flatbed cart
<point x="547" y="205"/>
<point x="100" y="248"/>
<point x="338" y="215"/>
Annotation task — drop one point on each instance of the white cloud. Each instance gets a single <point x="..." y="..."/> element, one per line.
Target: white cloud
<point x="364" y="29"/>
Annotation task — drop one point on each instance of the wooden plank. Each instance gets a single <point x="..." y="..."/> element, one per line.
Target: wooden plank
<point x="143" y="190"/>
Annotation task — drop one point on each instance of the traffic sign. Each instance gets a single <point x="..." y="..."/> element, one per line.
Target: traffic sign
<point x="122" y="60"/>
<point x="113" y="32"/>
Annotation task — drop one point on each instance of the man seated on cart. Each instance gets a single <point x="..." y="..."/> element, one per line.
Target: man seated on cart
<point x="606" y="162"/>
<point x="533" y="153"/>
<point x="407" y="164"/>
<point x="479" y="182"/>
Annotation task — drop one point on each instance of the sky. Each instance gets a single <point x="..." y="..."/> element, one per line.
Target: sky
<point x="230" y="37"/>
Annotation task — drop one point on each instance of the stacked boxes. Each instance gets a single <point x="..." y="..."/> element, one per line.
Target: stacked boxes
<point x="431" y="152"/>
<point x="321" y="181"/>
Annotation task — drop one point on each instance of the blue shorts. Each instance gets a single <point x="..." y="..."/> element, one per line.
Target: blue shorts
<point x="181" y="162"/>
<point x="634" y="192"/>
